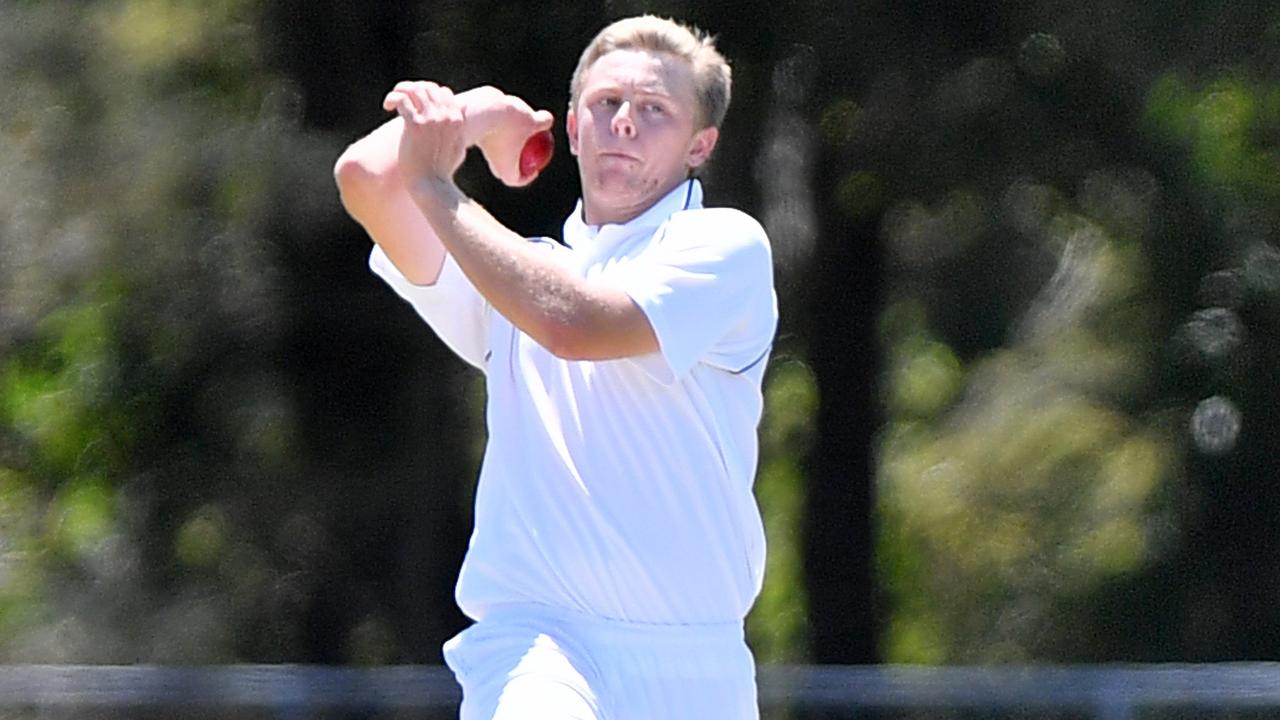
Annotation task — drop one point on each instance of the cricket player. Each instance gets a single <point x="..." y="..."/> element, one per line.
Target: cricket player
<point x="617" y="544"/>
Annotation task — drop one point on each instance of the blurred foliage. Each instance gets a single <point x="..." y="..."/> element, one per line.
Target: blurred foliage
<point x="1048" y="438"/>
<point x="777" y="626"/>
<point x="1021" y="475"/>
<point x="221" y="440"/>
<point x="139" y="301"/>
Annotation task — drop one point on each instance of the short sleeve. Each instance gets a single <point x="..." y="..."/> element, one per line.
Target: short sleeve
<point x="454" y="309"/>
<point x="706" y="286"/>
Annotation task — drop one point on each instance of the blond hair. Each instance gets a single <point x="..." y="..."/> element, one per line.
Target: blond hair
<point x="711" y="75"/>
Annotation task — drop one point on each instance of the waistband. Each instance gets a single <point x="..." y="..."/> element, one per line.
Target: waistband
<point x="612" y="629"/>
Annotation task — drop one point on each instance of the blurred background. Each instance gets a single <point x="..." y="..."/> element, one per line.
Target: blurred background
<point x="1024" y="406"/>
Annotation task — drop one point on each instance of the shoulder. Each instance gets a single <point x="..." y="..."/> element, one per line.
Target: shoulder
<point x="724" y="222"/>
<point x="724" y="231"/>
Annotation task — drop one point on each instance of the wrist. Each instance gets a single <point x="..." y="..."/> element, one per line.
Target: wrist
<point x="478" y="113"/>
<point x="434" y="192"/>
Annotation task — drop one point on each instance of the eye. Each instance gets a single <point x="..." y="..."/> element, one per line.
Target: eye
<point x="655" y="108"/>
<point x="609" y="101"/>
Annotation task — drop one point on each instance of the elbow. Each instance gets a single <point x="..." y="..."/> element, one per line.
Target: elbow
<point x="360" y="167"/>
<point x="588" y="332"/>
<point x="349" y="173"/>
<point x="566" y="340"/>
<point x="357" y="185"/>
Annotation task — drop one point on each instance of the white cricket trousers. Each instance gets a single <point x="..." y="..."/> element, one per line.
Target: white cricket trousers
<point x="533" y="662"/>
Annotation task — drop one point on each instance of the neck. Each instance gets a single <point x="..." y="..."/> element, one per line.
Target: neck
<point x="594" y="214"/>
<point x="616" y="217"/>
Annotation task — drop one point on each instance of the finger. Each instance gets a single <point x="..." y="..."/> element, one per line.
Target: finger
<point x="417" y="93"/>
<point x="410" y="86"/>
<point x="391" y="100"/>
<point x="402" y="103"/>
<point x="408" y="109"/>
<point x="402" y="88"/>
<point x="440" y="99"/>
<point x="443" y="93"/>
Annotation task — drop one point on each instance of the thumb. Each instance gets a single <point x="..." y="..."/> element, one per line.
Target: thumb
<point x="543" y="120"/>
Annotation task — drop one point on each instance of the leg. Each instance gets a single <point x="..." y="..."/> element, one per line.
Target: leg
<point x="683" y="681"/>
<point x="515" y="672"/>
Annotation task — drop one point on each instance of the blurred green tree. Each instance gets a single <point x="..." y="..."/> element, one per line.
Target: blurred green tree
<point x="148" y="437"/>
<point x="1073" y="348"/>
<point x="1022" y="405"/>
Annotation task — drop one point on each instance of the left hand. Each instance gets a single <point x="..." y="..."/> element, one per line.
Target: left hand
<point x="500" y="125"/>
<point x="433" y="143"/>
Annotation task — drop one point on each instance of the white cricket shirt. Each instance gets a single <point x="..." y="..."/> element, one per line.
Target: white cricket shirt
<point x="623" y="488"/>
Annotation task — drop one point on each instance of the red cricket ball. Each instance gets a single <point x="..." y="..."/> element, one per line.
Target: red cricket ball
<point x="536" y="153"/>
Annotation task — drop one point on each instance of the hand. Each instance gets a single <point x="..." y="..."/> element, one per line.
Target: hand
<point x="433" y="143"/>
<point x="500" y="125"/>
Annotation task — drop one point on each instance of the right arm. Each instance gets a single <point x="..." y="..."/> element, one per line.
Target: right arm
<point x="374" y="194"/>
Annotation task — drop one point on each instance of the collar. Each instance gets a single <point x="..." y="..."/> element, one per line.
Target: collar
<point x="685" y="196"/>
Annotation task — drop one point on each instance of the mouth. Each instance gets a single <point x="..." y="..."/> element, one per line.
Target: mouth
<point x="618" y="155"/>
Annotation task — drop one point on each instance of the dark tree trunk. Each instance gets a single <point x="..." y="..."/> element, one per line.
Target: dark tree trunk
<point x="840" y="543"/>
<point x="390" y="438"/>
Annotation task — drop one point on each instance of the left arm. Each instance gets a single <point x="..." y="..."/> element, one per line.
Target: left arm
<point x="572" y="317"/>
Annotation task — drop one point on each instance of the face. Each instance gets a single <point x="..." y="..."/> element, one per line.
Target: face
<point x="635" y="132"/>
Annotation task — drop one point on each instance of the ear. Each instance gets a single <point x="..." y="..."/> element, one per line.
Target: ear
<point x="700" y="147"/>
<point x="571" y="128"/>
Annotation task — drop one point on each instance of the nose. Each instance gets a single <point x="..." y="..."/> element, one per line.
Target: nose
<point x="622" y="124"/>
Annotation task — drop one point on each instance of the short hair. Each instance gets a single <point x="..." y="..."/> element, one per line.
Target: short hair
<point x="711" y="76"/>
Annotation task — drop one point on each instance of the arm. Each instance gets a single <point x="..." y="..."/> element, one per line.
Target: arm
<point x="573" y="318"/>
<point x="570" y="316"/>
<point x="375" y="194"/>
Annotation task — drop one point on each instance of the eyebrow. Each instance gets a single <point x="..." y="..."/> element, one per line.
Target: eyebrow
<point x="642" y="95"/>
<point x="658" y="89"/>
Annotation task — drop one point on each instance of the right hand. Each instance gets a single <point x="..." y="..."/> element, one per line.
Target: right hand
<point x="433" y="142"/>
<point x="499" y="124"/>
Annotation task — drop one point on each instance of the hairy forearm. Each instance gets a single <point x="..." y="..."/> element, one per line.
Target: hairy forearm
<point x="564" y="313"/>
<point x="521" y="281"/>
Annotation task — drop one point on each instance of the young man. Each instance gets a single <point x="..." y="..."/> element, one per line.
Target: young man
<point x="617" y="544"/>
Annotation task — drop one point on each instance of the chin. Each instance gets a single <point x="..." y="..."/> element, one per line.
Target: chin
<point x="616" y="193"/>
